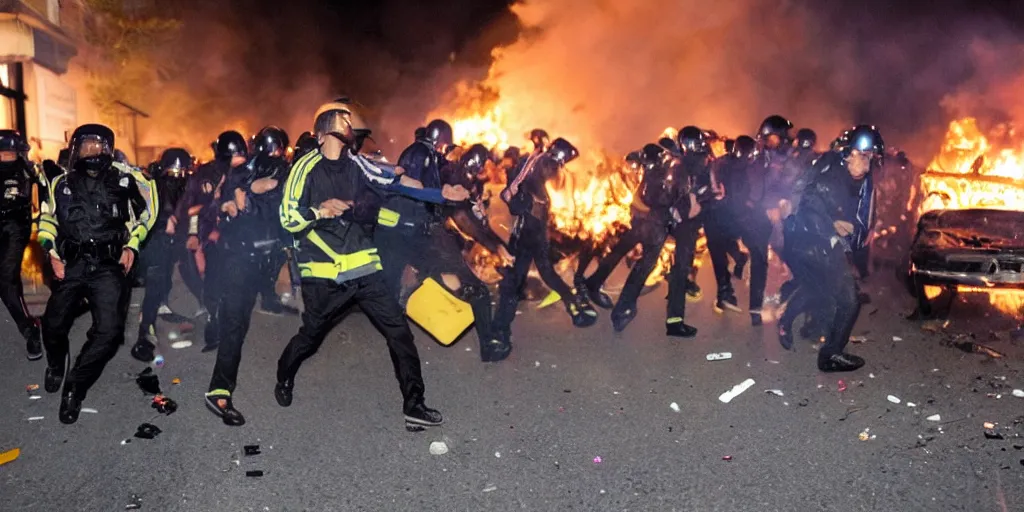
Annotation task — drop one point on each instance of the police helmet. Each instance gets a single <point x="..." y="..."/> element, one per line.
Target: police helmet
<point x="562" y="151"/>
<point x="91" y="141"/>
<point x="777" y="126"/>
<point x="153" y="170"/>
<point x="863" y="138"/>
<point x="175" y="162"/>
<point x="340" y="119"/>
<point x="11" y="140"/>
<point x="305" y="144"/>
<point x="635" y="160"/>
<point x="539" y="138"/>
<point x="692" y="140"/>
<point x="652" y="155"/>
<point x="512" y="153"/>
<point x="270" y="141"/>
<point x="229" y="145"/>
<point x="439" y="134"/>
<point x="805" y="139"/>
<point x="669" y="144"/>
<point x="475" y="157"/>
<point x="745" y="148"/>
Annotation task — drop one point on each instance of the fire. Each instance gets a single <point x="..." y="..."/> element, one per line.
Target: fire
<point x="1008" y="301"/>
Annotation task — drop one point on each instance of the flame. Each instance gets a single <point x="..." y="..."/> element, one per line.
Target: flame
<point x="1008" y="301"/>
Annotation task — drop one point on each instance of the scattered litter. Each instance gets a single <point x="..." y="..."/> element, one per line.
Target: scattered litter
<point x="536" y="364"/>
<point x="175" y="381"/>
<point x="90" y="410"/>
<point x="254" y="473"/>
<point x="989" y="425"/>
<point x="776" y="392"/>
<point x="616" y="393"/>
<point x="897" y="338"/>
<point x="719" y="356"/>
<point x="841" y="385"/>
<point x="977" y="348"/>
<point x="251" y="449"/>
<point x="803" y="402"/>
<point x="36" y="418"/>
<point x="992" y="434"/>
<point x="158" y="361"/>
<point x="173" y="336"/>
<point x="727" y="458"/>
<point x="597" y="460"/>
<point x="469" y="349"/>
<point x="911" y="404"/>
<point x="674" y="406"/>
<point x="497" y="454"/>
<point x="148" y="382"/>
<point x="851" y="410"/>
<point x="1019" y="393"/>
<point x="858" y="339"/>
<point x="866" y="435"/>
<point x="178" y="345"/>
<point x="164" y="405"/>
<point x="772" y="361"/>
<point x="438" y="448"/>
<point x="736" y="391"/>
<point x="871" y="375"/>
<point x="34" y="397"/>
<point x="147" y="431"/>
<point x="934" y="417"/>
<point x="135" y="503"/>
<point x="32" y="387"/>
<point x="490" y="488"/>
<point x="9" y="456"/>
<point x="934" y="326"/>
<point x="893" y="399"/>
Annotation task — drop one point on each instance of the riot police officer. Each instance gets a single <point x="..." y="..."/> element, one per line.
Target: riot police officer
<point x="15" y="231"/>
<point x="803" y="146"/>
<point x="471" y="216"/>
<point x="98" y="216"/>
<point x="161" y="250"/>
<point x="304" y="144"/>
<point x="831" y="221"/>
<point x="270" y="148"/>
<point x="527" y="199"/>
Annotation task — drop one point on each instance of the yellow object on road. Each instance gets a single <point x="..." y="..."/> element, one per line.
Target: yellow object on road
<point x="9" y="456"/>
<point x="438" y="312"/>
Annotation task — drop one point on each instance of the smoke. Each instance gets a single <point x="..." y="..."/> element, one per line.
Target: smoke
<point x="612" y="74"/>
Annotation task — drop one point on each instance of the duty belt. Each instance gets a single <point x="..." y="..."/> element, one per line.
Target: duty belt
<point x="71" y="250"/>
<point x="257" y="247"/>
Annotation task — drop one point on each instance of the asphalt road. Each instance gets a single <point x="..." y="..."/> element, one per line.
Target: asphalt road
<point x="576" y="419"/>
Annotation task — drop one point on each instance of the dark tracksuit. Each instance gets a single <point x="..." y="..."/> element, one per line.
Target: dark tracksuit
<point x="817" y="256"/>
<point x="199" y="193"/>
<point x="15" y="232"/>
<point x="160" y="252"/>
<point x="90" y="220"/>
<point x="277" y="169"/>
<point x="340" y="265"/>
<point x="247" y="242"/>
<point x="651" y="218"/>
<point x="413" y="233"/>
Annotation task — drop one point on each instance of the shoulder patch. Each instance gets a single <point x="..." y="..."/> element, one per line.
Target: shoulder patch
<point x="124" y="182"/>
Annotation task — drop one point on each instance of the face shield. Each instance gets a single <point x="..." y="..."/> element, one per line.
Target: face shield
<point x="89" y="147"/>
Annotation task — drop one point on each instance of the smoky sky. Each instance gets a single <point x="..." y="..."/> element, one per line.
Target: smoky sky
<point x="906" y="67"/>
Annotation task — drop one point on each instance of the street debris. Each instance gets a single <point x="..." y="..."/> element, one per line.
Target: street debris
<point x="727" y="458"/>
<point x="597" y="460"/>
<point x="964" y="343"/>
<point x="256" y="473"/>
<point x="893" y="399"/>
<point x="147" y="431"/>
<point x="934" y="417"/>
<point x="490" y="488"/>
<point x="497" y="455"/>
<point x="776" y="392"/>
<point x="897" y="338"/>
<point x="164" y="405"/>
<point x="803" y="402"/>
<point x="148" y="382"/>
<point x="34" y="397"/>
<point x="674" y="406"/>
<point x="934" y="326"/>
<point x="9" y="456"/>
<point x="36" y="418"/>
<point x="850" y="411"/>
<point x="175" y="381"/>
<point x="135" y="503"/>
<point x="438" y="448"/>
<point x="32" y="387"/>
<point x="1019" y="393"/>
<point x="992" y="434"/>
<point x="911" y="404"/>
<point x="251" y="449"/>
<point x="158" y="361"/>
<point x="178" y="345"/>
<point x="719" y="356"/>
<point x="858" y="339"/>
<point x="90" y="410"/>
<point x="866" y="435"/>
<point x="736" y="391"/>
<point x="989" y="425"/>
<point x="841" y="385"/>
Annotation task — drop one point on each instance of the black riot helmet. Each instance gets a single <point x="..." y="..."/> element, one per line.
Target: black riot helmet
<point x="419" y="133"/>
<point x="745" y="148"/>
<point x="540" y="139"/>
<point x="439" y="134"/>
<point x="864" y="138"/>
<point x="474" y="158"/>
<point x="153" y="170"/>
<point x="340" y="119"/>
<point x="651" y="156"/>
<point x="730" y="144"/>
<point x="11" y="140"/>
<point x="175" y="162"/>
<point x="93" y="145"/>
<point x="562" y="151"/>
<point x="229" y="145"/>
<point x="120" y="157"/>
<point x="270" y="141"/>
<point x="306" y="143"/>
<point x="774" y="132"/>
<point x="805" y="139"/>
<point x="670" y="145"/>
<point x="635" y="160"/>
<point x="693" y="140"/>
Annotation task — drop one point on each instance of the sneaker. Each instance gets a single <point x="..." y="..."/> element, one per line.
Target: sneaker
<point x="596" y="296"/>
<point x="420" y="415"/>
<point x="54" y="377"/>
<point x="583" y="314"/>
<point x="70" y="406"/>
<point x="495" y="350"/>
<point x="34" y="342"/>
<point x="621" y="319"/>
<point x="840" y="363"/>
<point x="283" y="392"/>
<point x="220" y="404"/>
<point x="680" y="330"/>
<point x="276" y="308"/>
<point x="727" y="303"/>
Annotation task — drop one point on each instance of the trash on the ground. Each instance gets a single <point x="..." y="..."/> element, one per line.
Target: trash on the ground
<point x="772" y="361"/>
<point x="866" y="435"/>
<point x="934" y="326"/>
<point x="438" y="448"/>
<point x="897" y="338"/>
<point x="497" y="455"/>
<point x="34" y="397"/>
<point x="9" y="456"/>
<point x="256" y="473"/>
<point x="536" y="364"/>
<point x="841" y="385"/>
<point x="803" y="402"/>
<point x="871" y="375"/>
<point x="992" y="434"/>
<point x="158" y="361"/>
<point x="736" y="391"/>
<point x="969" y="346"/>
<point x="911" y="404"/>
<point x="164" y="405"/>
<point x="893" y="399"/>
<point x="147" y="431"/>
<point x="178" y="345"/>
<point x="1019" y="393"/>
<point x="36" y="418"/>
<point x="674" y="406"/>
<point x="989" y="425"/>
<point x="776" y="392"/>
<point x="175" y="381"/>
<point x="135" y="503"/>
<point x="858" y="339"/>
<point x="148" y="382"/>
<point x="251" y="449"/>
<point x="32" y="387"/>
<point x="173" y="336"/>
<point x="727" y="458"/>
<point x="851" y="410"/>
<point x="719" y="356"/>
<point x="597" y="460"/>
<point x="90" y="410"/>
<point x="490" y="488"/>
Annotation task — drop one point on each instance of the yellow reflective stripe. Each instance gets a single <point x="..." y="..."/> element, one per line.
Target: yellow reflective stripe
<point x="291" y="216"/>
<point x="388" y="218"/>
<point x="314" y="237"/>
<point x="351" y="262"/>
<point x="674" y="320"/>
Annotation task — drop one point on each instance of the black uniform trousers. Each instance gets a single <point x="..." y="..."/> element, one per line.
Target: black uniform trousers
<point x="212" y="290"/>
<point x="651" y="235"/>
<point x="270" y="273"/>
<point x="104" y="284"/>
<point x="14" y="237"/>
<point x="189" y="270"/>
<point x="826" y="281"/>
<point x="755" y="230"/>
<point x="326" y="302"/>
<point x="685" y="234"/>
<point x="529" y="244"/>
<point x="433" y="253"/>
<point x="159" y="257"/>
<point x="232" y="313"/>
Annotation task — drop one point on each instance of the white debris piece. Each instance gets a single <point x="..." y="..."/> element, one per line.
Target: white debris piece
<point x="776" y="392"/>
<point x="438" y="448"/>
<point x="173" y="335"/>
<point x="34" y="397"/>
<point x="490" y="488"/>
<point x="911" y="404"/>
<point x="497" y="454"/>
<point x="719" y="356"/>
<point x="893" y="399"/>
<point x="1019" y="393"/>
<point x="897" y="338"/>
<point x="736" y="391"/>
<point x="36" y="418"/>
<point x="674" y="406"/>
<point x="178" y="345"/>
<point x="536" y="364"/>
<point x="934" y="417"/>
<point x="90" y="410"/>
